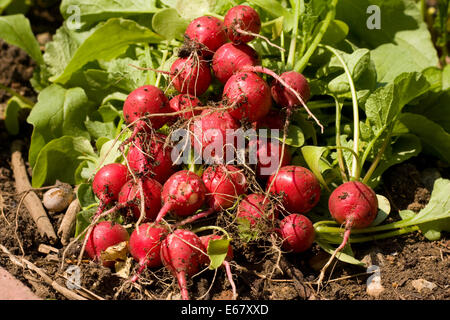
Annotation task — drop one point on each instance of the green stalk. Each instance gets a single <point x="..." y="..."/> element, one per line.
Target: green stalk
<point x="200" y="229"/>
<point x="356" y="172"/>
<point x="16" y="94"/>
<point x="380" y="236"/>
<point x="377" y="160"/>
<point x="293" y="44"/>
<point x="340" y="156"/>
<point x="301" y="65"/>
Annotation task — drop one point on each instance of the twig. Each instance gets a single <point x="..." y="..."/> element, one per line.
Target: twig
<point x="24" y="263"/>
<point x="31" y="200"/>
<point x="67" y="226"/>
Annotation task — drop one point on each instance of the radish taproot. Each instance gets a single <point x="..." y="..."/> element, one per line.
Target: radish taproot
<point x="231" y="58"/>
<point x="224" y="184"/>
<point x="144" y="102"/>
<point x="103" y="235"/>
<point x="249" y="94"/>
<point x="299" y="188"/>
<point x="130" y="197"/>
<point x="210" y="132"/>
<point x="183" y="194"/>
<point x="297" y="232"/>
<point x="242" y="23"/>
<point x="208" y="33"/>
<point x="190" y="76"/>
<point x="148" y="156"/>
<point x="284" y="97"/>
<point x="205" y="241"/>
<point x="182" y="253"/>
<point x="187" y="103"/>
<point x="107" y="183"/>
<point x="269" y="157"/>
<point x="354" y="205"/>
<point x="256" y="208"/>
<point x="145" y="246"/>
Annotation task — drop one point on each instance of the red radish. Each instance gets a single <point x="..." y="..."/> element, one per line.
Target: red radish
<point x="230" y="58"/>
<point x="182" y="254"/>
<point x="103" y="235"/>
<point x="185" y="102"/>
<point x="205" y="241"/>
<point x="208" y="32"/>
<point x="210" y="133"/>
<point x="108" y="181"/>
<point x="147" y="156"/>
<point x="299" y="187"/>
<point x="268" y="155"/>
<point x="256" y="208"/>
<point x="191" y="76"/>
<point x="145" y="246"/>
<point x="183" y="194"/>
<point x="273" y="120"/>
<point x="354" y="204"/>
<point x="224" y="184"/>
<point x="145" y="101"/>
<point x="131" y="196"/>
<point x="297" y="232"/>
<point x="242" y="23"/>
<point x="250" y="94"/>
<point x="286" y="98"/>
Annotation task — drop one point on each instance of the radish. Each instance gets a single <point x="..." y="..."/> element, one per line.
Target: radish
<point x="191" y="76"/>
<point x="298" y="186"/>
<point x="273" y="120"/>
<point x="250" y="94"/>
<point x="145" y="246"/>
<point x="205" y="241"/>
<point x="256" y="208"/>
<point x="107" y="184"/>
<point x="185" y="102"/>
<point x="183" y="194"/>
<point x="147" y="156"/>
<point x="242" y="23"/>
<point x="130" y="196"/>
<point x="230" y="58"/>
<point x="284" y="97"/>
<point x="142" y="102"/>
<point x="104" y="234"/>
<point x="210" y="133"/>
<point x="297" y="232"/>
<point x="354" y="204"/>
<point x="268" y="155"/>
<point x="224" y="184"/>
<point x="182" y="254"/>
<point x="208" y="33"/>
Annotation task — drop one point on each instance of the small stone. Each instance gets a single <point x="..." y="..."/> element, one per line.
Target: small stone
<point x="421" y="284"/>
<point x="374" y="286"/>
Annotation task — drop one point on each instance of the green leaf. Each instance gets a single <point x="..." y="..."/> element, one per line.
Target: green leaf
<point x="387" y="102"/>
<point x="83" y="220"/>
<point x="99" y="129"/>
<point x="434" y="137"/>
<point x="312" y="156"/>
<point x="58" y="112"/>
<point x="12" y="113"/>
<point x="4" y="4"/>
<point x="85" y="195"/>
<point x="59" y="159"/>
<point x="169" y="24"/>
<point x="93" y="11"/>
<point x="336" y="32"/>
<point x="384" y="208"/>
<point x="403" y="42"/>
<point x="217" y="252"/>
<point x="191" y="9"/>
<point x="294" y="136"/>
<point x="275" y="9"/>
<point x="106" y="43"/>
<point x="16" y="30"/>
<point x="342" y="256"/>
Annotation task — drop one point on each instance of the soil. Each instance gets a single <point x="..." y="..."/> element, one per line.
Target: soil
<point x="401" y="260"/>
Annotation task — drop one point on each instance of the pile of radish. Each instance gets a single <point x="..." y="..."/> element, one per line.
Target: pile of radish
<point x="163" y="200"/>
